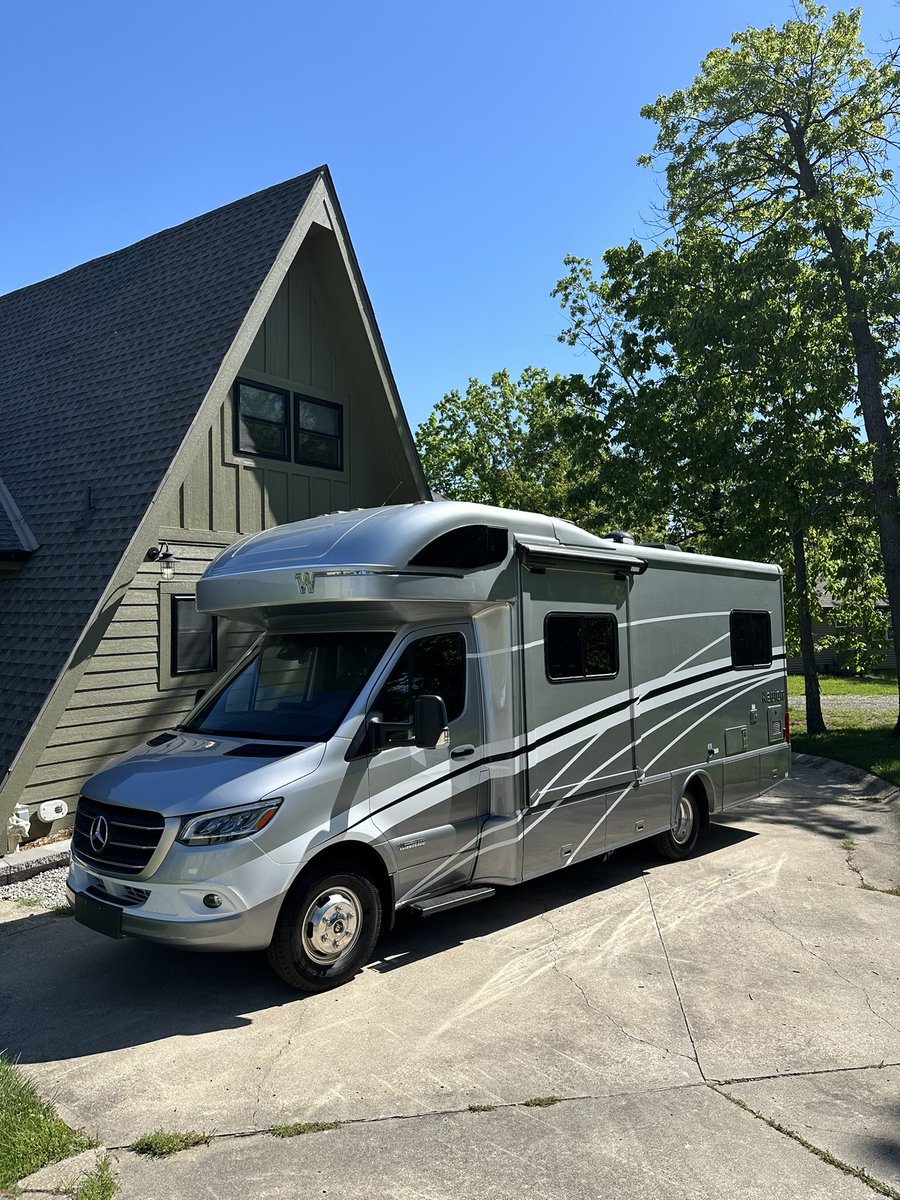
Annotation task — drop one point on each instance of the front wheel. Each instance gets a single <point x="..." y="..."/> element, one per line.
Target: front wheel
<point x="326" y="930"/>
<point x="679" y="841"/>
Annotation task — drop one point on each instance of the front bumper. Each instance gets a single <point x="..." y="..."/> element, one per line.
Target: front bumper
<point x="171" y="910"/>
<point x="248" y="930"/>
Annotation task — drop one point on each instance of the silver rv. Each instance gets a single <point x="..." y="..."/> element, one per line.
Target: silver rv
<point x="444" y="698"/>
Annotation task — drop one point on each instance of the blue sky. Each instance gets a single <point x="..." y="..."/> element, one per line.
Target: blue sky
<point x="473" y="145"/>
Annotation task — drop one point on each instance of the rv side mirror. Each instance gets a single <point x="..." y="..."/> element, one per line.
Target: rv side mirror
<point x="430" y="723"/>
<point x="376" y="736"/>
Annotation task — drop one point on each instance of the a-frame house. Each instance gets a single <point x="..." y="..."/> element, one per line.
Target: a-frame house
<point x="155" y="405"/>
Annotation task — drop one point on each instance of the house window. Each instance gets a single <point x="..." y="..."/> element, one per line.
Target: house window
<point x="581" y="646"/>
<point x="261" y="417"/>
<point x="751" y="639"/>
<point x="193" y="638"/>
<point x="318" y="433"/>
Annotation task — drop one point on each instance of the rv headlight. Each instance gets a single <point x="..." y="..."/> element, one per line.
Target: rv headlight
<point x="228" y="825"/>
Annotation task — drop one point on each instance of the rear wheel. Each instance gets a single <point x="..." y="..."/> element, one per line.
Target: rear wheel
<point x="326" y="930"/>
<point x="680" y="841"/>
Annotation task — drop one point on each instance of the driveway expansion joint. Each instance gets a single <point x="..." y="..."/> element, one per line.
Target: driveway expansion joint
<point x="877" y="1185"/>
<point x="665" y="950"/>
<point x="879" y="1066"/>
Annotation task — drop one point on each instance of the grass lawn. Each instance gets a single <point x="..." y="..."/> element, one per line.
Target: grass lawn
<point x="860" y="713"/>
<point x="31" y="1134"/>
<point x="882" y="684"/>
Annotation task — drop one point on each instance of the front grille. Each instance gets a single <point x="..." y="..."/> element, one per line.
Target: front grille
<point x="132" y="836"/>
<point x="131" y="897"/>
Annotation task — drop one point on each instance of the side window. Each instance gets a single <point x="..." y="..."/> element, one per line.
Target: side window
<point x="260" y="420"/>
<point x="751" y="639"/>
<point x="432" y="666"/>
<point x="193" y="638"/>
<point x="580" y="646"/>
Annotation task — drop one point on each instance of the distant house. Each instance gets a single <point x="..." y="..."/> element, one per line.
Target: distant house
<point x="827" y="625"/>
<point x="155" y="405"/>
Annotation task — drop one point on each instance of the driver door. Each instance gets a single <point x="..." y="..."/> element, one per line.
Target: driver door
<point x="430" y="804"/>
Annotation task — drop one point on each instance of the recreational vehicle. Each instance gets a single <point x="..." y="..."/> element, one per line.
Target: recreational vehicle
<point x="443" y="699"/>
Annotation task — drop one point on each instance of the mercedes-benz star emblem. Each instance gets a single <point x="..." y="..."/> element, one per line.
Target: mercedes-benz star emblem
<point x="99" y="834"/>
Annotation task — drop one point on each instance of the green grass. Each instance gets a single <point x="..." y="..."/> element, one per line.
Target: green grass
<point x="31" y="1134"/>
<point x="541" y="1101"/>
<point x="882" y="684"/>
<point x="300" y="1127"/>
<point x="870" y="749"/>
<point x="161" y="1143"/>
<point x="482" y="1108"/>
<point x="99" y="1184"/>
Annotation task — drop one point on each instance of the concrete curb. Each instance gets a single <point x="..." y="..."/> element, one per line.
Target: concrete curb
<point x="26" y="863"/>
<point x="869" y="787"/>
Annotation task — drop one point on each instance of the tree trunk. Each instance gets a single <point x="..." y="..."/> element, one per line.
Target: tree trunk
<point x="815" y="722"/>
<point x="869" y="390"/>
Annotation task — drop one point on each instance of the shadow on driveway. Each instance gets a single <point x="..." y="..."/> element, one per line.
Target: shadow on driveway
<point x="66" y="992"/>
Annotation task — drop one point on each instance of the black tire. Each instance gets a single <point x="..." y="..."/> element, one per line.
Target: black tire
<point x="681" y="840"/>
<point x="326" y="930"/>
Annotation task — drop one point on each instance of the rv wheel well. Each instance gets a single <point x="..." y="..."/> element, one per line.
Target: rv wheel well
<point x="700" y="789"/>
<point x="359" y="856"/>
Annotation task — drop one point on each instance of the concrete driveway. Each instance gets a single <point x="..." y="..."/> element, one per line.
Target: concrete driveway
<point x="727" y="1026"/>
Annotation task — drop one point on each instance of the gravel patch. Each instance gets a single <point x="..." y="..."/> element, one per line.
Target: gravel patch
<point x="868" y="705"/>
<point x="48" y="888"/>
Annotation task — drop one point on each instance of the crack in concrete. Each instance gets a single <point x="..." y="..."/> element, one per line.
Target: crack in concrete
<point x="684" y="1017"/>
<point x="495" y="1106"/>
<point x="850" y="982"/>
<point x="879" y="1066"/>
<point x="860" y="1173"/>
<point x="666" y="1050"/>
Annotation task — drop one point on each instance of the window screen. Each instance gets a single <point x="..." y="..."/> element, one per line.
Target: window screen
<point x="318" y="433"/>
<point x="751" y="639"/>
<point x="261" y="416"/>
<point x="581" y="645"/>
<point x="432" y="666"/>
<point x="193" y="638"/>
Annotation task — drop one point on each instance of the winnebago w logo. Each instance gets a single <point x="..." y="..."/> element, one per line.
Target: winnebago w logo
<point x="307" y="582"/>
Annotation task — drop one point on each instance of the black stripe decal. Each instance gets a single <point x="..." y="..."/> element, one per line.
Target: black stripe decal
<point x="509" y="755"/>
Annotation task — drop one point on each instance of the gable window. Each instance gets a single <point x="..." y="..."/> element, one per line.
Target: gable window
<point x="261" y="420"/>
<point x="193" y="638"/>
<point x="318" y="433"/>
<point x="751" y="639"/>
<point x="581" y="646"/>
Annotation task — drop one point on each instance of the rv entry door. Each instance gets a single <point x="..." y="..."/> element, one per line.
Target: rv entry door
<point x="578" y="716"/>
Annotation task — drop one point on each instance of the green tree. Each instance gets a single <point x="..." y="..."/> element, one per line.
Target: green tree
<point x="782" y="141"/>
<point x="725" y="404"/>
<point x="532" y="444"/>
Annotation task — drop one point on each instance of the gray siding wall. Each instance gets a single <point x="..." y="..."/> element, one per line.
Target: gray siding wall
<point x="313" y="342"/>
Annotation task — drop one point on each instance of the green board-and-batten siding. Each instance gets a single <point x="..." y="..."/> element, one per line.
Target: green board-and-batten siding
<point x="124" y="695"/>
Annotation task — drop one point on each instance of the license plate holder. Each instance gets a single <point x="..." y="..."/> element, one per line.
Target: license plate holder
<point x="98" y="915"/>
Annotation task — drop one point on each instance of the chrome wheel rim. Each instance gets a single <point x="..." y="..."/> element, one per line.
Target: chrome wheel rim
<point x="331" y="925"/>
<point x="684" y="822"/>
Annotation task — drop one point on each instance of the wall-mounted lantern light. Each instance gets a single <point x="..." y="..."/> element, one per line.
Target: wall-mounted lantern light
<point x="166" y="559"/>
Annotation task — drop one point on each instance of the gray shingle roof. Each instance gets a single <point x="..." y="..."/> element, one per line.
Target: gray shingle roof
<point x="102" y="370"/>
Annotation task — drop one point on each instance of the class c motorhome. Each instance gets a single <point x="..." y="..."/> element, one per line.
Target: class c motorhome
<point x="444" y="699"/>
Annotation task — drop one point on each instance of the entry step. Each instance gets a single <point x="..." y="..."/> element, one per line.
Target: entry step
<point x="438" y="904"/>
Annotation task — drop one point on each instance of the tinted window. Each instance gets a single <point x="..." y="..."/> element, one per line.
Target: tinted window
<point x="432" y="666"/>
<point x="751" y="639"/>
<point x="193" y="638"/>
<point x="465" y="549"/>
<point x="298" y="687"/>
<point x="261" y="418"/>
<point x="581" y="645"/>
<point x="318" y="433"/>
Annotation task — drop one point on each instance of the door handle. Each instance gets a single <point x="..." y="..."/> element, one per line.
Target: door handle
<point x="462" y="752"/>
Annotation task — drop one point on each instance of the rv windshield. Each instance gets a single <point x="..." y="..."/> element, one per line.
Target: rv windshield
<point x="297" y="687"/>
